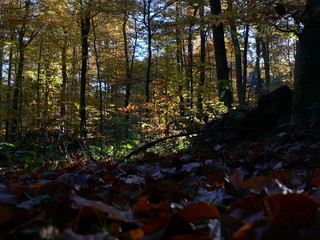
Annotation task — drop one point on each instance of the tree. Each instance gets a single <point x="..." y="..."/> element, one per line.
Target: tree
<point x="222" y="68"/>
<point x="307" y="75"/>
<point x="24" y="39"/>
<point x="85" y="30"/>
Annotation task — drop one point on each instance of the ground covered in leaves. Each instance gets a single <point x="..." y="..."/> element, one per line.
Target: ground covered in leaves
<point x="226" y="186"/>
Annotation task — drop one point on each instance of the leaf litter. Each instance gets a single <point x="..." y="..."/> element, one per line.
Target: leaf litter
<point x="220" y="189"/>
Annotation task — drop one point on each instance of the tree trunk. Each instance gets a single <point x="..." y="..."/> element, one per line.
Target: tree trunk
<point x="266" y="59"/>
<point x="257" y="67"/>
<point x="238" y="59"/>
<point x="224" y="85"/>
<point x="147" y="23"/>
<point x="64" y="79"/>
<point x="18" y="88"/>
<point x="237" y="55"/>
<point x="202" y="58"/>
<point x="38" y="97"/>
<point x="10" y="63"/>
<point x="96" y="54"/>
<point x="307" y="73"/>
<point x="1" y="83"/>
<point x="189" y="70"/>
<point x="85" y="29"/>
<point x="180" y="64"/>
<point x="245" y="65"/>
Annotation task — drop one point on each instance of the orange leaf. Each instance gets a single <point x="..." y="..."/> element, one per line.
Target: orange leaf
<point x="292" y="209"/>
<point x="144" y="206"/>
<point x="157" y="223"/>
<point x="189" y="237"/>
<point x="256" y="183"/>
<point x="133" y="234"/>
<point x="198" y="211"/>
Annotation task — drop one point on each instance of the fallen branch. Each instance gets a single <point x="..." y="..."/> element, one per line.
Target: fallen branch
<point x="151" y="144"/>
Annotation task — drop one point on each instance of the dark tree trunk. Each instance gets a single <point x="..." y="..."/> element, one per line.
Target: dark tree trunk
<point x="245" y="65"/>
<point x="224" y="85"/>
<point x="85" y="29"/>
<point x="307" y="74"/>
<point x="98" y="76"/>
<point x="127" y="63"/>
<point x="10" y="63"/>
<point x="238" y="59"/>
<point x="147" y="23"/>
<point x="38" y="97"/>
<point x="64" y="79"/>
<point x="180" y="63"/>
<point x="257" y="67"/>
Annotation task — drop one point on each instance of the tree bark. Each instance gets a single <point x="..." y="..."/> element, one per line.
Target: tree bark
<point x="85" y="30"/>
<point x="224" y="85"/>
<point x="307" y="72"/>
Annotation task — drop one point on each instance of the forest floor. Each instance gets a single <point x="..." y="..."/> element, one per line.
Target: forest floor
<point x="230" y="184"/>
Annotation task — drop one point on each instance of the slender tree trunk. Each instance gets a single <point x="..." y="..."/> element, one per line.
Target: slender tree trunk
<point x="127" y="64"/>
<point x="64" y="79"/>
<point x="85" y="29"/>
<point x="180" y="64"/>
<point x="266" y="59"/>
<point x="18" y="88"/>
<point x="10" y="63"/>
<point x="237" y="54"/>
<point x="245" y="64"/>
<point x="224" y="85"/>
<point x="202" y="58"/>
<point x="189" y="71"/>
<point x="38" y="97"/>
<point x="147" y="20"/>
<point x="98" y="76"/>
<point x="257" y="67"/>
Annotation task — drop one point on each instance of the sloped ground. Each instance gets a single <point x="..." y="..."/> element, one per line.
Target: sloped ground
<point x="227" y="186"/>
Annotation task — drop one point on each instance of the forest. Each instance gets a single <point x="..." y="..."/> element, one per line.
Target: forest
<point x="159" y="119"/>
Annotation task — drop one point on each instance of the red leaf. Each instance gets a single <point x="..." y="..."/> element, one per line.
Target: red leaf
<point x="292" y="209"/>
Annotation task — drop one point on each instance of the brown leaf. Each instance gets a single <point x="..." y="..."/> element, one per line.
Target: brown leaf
<point x="198" y="211"/>
<point x="5" y="215"/>
<point x="256" y="183"/>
